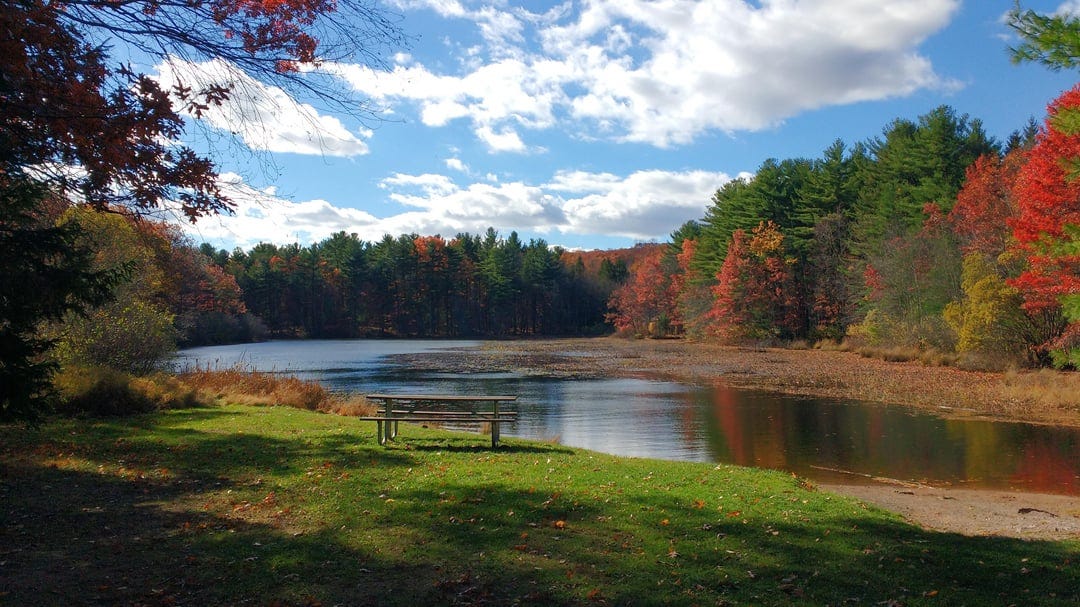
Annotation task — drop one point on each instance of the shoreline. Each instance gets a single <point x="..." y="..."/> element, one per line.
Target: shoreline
<point x="947" y="392"/>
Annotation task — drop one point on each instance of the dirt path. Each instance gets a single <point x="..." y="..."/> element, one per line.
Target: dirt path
<point x="944" y="391"/>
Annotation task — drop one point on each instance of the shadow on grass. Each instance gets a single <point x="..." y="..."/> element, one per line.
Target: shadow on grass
<point x="212" y="508"/>
<point x="660" y="550"/>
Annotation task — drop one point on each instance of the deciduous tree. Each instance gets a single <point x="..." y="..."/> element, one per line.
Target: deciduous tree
<point x="645" y="303"/>
<point x="45" y="274"/>
<point x="1047" y="229"/>
<point x="755" y="293"/>
<point x="90" y="129"/>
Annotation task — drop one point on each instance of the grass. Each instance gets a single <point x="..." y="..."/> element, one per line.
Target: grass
<point x="249" y="387"/>
<point x="1044" y="388"/>
<point x="278" y="506"/>
<point x="102" y="391"/>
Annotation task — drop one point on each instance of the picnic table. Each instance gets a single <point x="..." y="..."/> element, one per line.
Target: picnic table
<point x="438" y="408"/>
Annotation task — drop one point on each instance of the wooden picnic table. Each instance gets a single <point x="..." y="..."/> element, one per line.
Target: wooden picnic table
<point x="438" y="408"/>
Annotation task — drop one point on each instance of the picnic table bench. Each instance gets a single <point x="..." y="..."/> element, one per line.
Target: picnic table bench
<point x="438" y="408"/>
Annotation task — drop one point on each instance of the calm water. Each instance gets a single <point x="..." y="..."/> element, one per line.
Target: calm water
<point x="823" y="439"/>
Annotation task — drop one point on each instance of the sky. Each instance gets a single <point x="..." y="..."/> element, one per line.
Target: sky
<point x="599" y="124"/>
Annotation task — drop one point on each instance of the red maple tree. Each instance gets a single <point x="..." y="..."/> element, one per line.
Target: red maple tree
<point x="985" y="204"/>
<point x="1047" y="192"/>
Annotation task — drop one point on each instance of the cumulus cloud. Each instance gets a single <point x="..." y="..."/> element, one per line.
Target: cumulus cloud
<point x="456" y="164"/>
<point x="644" y="205"/>
<point x="266" y="118"/>
<point x="261" y="215"/>
<point x="662" y="73"/>
<point x="1070" y="8"/>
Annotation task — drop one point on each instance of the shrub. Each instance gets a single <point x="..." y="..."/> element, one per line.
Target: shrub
<point x="105" y="391"/>
<point x="129" y="336"/>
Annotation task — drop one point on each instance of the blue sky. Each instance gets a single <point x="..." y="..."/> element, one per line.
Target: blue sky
<point x="600" y="124"/>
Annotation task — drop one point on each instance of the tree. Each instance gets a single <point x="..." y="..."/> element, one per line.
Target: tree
<point x="990" y="324"/>
<point x="828" y="267"/>
<point x="1047" y="229"/>
<point x="910" y="280"/>
<point x="46" y="275"/>
<point x="645" y="303"/>
<point x="88" y="128"/>
<point x="755" y="289"/>
<point x="985" y="204"/>
<point x="988" y="321"/>
<point x="916" y="163"/>
<point x="1052" y="40"/>
<point x="66" y="103"/>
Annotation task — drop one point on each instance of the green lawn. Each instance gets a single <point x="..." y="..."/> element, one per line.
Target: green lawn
<point x="277" y="506"/>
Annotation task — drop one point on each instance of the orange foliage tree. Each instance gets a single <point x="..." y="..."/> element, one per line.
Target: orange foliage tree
<point x="755" y="293"/>
<point x="992" y="327"/>
<point x="645" y="303"/>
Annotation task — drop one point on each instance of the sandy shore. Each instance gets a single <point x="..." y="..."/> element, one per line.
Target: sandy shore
<point x="944" y="391"/>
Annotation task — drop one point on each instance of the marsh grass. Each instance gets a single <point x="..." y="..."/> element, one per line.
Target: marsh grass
<point x="103" y="391"/>
<point x="279" y="506"/>
<point x="247" y="387"/>
<point x="1045" y="388"/>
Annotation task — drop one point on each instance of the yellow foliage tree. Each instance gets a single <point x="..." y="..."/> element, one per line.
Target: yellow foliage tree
<point x="988" y="320"/>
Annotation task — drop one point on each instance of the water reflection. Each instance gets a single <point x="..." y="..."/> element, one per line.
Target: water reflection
<point x="823" y="439"/>
<point x="819" y="438"/>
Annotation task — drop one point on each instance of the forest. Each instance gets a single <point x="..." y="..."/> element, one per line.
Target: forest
<point x="931" y="237"/>
<point x="418" y="286"/>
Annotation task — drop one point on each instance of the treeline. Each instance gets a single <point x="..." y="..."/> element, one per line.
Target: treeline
<point x="422" y="286"/>
<point x="159" y="291"/>
<point x="930" y="238"/>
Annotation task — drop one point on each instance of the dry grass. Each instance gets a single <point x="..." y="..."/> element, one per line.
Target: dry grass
<point x="1044" y="388"/>
<point x="894" y="354"/>
<point x="247" y="387"/>
<point x="102" y="391"/>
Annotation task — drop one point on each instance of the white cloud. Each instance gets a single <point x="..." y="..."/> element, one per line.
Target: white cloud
<point x="431" y="185"/>
<point x="263" y="216"/>
<point x="643" y="205"/>
<point x="456" y="164"/>
<point x="663" y="72"/>
<point x="506" y="140"/>
<point x="266" y="118"/>
<point x="1071" y="8"/>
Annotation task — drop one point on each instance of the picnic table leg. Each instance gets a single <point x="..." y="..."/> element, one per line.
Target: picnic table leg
<point x="495" y="427"/>
<point x="379" y="431"/>
<point x="386" y="431"/>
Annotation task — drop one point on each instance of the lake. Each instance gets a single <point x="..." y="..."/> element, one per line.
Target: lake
<point x="822" y="439"/>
